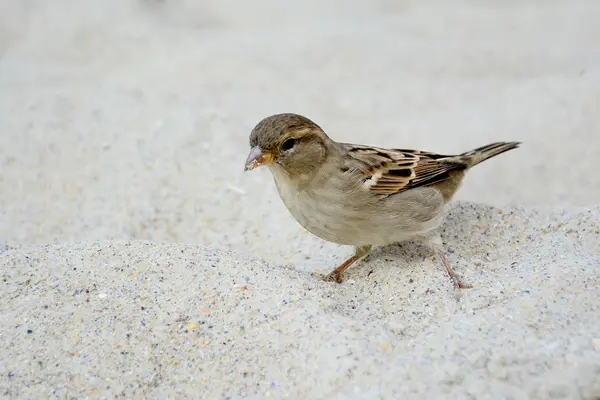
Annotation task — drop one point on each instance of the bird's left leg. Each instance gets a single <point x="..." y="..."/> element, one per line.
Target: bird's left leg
<point x="336" y="274"/>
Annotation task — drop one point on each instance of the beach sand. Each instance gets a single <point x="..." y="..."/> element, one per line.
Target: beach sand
<point x="139" y="261"/>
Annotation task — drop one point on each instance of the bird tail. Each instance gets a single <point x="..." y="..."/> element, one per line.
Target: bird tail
<point x="480" y="154"/>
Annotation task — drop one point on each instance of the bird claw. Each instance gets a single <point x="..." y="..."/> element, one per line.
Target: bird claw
<point x="331" y="277"/>
<point x="462" y="285"/>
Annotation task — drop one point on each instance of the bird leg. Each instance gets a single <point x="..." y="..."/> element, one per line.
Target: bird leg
<point x="457" y="282"/>
<point x="436" y="242"/>
<point x="336" y="274"/>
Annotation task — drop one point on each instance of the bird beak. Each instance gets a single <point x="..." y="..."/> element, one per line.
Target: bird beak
<point x="257" y="157"/>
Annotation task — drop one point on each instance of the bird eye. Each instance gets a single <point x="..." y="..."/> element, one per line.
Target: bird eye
<point x="288" y="144"/>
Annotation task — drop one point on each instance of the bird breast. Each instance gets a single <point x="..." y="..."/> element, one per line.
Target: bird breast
<point x="337" y="211"/>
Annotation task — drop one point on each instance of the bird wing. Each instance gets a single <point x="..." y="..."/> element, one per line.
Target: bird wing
<point x="390" y="171"/>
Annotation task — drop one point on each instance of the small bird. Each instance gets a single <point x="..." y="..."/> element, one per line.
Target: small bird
<point x="360" y="195"/>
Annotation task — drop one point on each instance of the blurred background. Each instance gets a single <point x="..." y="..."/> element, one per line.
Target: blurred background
<point x="129" y="119"/>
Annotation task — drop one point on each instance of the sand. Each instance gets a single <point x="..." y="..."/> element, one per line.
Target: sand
<point x="138" y="260"/>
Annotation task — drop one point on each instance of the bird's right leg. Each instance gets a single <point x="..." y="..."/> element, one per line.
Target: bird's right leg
<point x="435" y="242"/>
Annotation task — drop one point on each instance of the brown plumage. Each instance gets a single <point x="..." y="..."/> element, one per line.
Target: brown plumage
<point x="360" y="195"/>
<point x="396" y="170"/>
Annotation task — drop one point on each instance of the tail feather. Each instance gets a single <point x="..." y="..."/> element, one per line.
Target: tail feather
<point x="474" y="157"/>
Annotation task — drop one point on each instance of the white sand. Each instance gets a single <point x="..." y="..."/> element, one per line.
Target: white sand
<point x="128" y="121"/>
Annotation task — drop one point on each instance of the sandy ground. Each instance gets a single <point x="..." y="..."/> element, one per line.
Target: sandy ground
<point x="138" y="260"/>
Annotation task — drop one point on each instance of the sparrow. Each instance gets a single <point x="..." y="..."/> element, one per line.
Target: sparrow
<point x="360" y="195"/>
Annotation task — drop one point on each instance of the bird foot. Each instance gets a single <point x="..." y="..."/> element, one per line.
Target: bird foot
<point x="331" y="277"/>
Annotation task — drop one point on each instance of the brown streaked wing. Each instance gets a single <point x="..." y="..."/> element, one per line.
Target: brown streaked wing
<point x="390" y="171"/>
